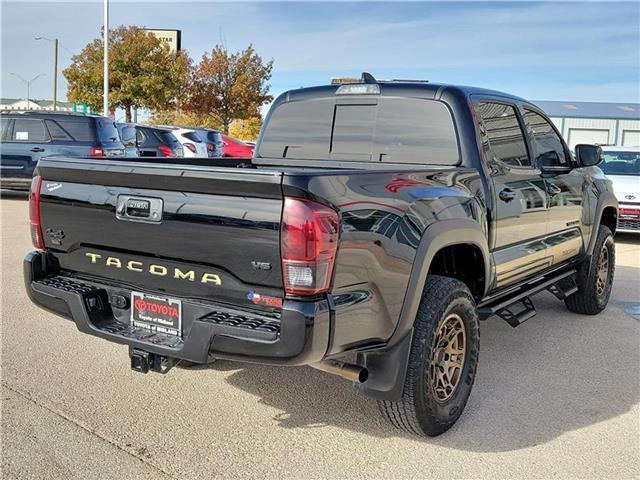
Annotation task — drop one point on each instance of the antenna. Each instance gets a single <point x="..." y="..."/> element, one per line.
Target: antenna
<point x="368" y="78"/>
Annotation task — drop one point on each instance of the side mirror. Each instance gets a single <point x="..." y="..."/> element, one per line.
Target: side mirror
<point x="588" y="155"/>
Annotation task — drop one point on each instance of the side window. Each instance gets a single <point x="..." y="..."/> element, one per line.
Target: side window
<point x="56" y="131"/>
<point x="79" y="128"/>
<point x="29" y="130"/>
<point x="4" y="126"/>
<point x="502" y="136"/>
<point x="140" y="137"/>
<point x="547" y="144"/>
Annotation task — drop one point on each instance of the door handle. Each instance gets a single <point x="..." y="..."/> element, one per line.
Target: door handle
<point x="553" y="189"/>
<point x="37" y="149"/>
<point x="507" y="195"/>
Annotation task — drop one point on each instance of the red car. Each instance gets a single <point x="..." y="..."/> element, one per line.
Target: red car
<point x="236" y="148"/>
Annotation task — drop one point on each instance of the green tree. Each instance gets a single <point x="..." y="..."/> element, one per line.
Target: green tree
<point x="143" y="73"/>
<point x="229" y="86"/>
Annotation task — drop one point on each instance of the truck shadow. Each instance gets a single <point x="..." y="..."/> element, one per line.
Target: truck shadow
<point x="556" y="373"/>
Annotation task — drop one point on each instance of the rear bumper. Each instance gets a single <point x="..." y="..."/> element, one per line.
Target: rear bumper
<point x="15" y="183"/>
<point x="298" y="336"/>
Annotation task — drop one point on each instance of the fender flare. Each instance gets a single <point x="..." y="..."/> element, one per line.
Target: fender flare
<point x="387" y="367"/>
<point x="604" y="201"/>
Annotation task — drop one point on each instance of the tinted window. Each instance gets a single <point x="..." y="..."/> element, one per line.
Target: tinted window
<point x="167" y="137"/>
<point x="353" y="130"/>
<point x="193" y="136"/>
<point x="56" y="131"/>
<point x="416" y="131"/>
<point x="214" y="137"/>
<point x="140" y="136"/>
<point x="29" y="130"/>
<point x="503" y="139"/>
<point x="403" y="130"/>
<point x="79" y="128"/>
<point x="107" y="131"/>
<point x="4" y="124"/>
<point x="621" y="163"/>
<point x="547" y="144"/>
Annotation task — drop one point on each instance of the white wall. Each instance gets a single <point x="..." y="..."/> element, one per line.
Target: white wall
<point x="598" y="130"/>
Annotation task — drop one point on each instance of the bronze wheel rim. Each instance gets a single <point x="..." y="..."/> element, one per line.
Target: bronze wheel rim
<point x="603" y="271"/>
<point x="448" y="358"/>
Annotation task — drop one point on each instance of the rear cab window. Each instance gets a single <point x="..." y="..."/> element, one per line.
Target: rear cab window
<point x="381" y="129"/>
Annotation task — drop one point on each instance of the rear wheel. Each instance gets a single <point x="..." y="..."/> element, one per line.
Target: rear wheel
<point x="442" y="361"/>
<point x="595" y="277"/>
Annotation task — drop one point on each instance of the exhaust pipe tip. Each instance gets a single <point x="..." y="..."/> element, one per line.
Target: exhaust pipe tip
<point x="348" y="371"/>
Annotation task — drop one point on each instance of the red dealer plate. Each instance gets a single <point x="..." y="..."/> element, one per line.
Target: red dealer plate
<point x="159" y="314"/>
<point x="629" y="214"/>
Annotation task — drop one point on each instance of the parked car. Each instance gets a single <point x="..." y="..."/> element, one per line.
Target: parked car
<point x="213" y="141"/>
<point x="236" y="148"/>
<point x="127" y="133"/>
<point x="191" y="142"/>
<point x="157" y="142"/>
<point x="622" y="166"/>
<point x="28" y="136"/>
<point x="375" y="226"/>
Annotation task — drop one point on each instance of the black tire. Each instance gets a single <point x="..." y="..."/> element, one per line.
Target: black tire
<point x="593" y="292"/>
<point x="420" y="410"/>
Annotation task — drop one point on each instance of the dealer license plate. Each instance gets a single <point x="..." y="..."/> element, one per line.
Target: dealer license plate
<point x="159" y="314"/>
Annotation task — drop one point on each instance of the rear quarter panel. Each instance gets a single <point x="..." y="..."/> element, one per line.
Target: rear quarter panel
<point x="384" y="215"/>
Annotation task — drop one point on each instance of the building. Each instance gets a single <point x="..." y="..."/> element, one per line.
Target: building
<point x="595" y="122"/>
<point x="21" y="104"/>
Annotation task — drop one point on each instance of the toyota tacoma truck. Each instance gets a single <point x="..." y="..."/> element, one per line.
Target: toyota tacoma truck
<point x="375" y="225"/>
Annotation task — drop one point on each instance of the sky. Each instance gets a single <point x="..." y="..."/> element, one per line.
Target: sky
<point x="572" y="51"/>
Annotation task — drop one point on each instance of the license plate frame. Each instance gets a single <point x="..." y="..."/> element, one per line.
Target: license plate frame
<point x="629" y="213"/>
<point x="156" y="313"/>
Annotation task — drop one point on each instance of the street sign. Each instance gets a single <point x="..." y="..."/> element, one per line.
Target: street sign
<point x="81" y="108"/>
<point x="173" y="38"/>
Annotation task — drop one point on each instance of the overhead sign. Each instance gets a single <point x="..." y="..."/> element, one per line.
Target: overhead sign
<point x="173" y="38"/>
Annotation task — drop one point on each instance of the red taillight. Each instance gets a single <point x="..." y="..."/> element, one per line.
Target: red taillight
<point x="308" y="244"/>
<point x="34" y="213"/>
<point x="166" y="151"/>
<point x="191" y="147"/>
<point x="98" y="152"/>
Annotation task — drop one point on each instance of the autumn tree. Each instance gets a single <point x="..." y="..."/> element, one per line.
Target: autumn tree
<point x="187" y="119"/>
<point x="228" y="85"/>
<point x="248" y="129"/>
<point x="143" y="73"/>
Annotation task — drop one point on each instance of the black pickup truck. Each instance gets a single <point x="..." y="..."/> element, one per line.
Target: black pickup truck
<point x="377" y="223"/>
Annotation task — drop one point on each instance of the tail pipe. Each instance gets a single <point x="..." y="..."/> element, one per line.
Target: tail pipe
<point x="348" y="371"/>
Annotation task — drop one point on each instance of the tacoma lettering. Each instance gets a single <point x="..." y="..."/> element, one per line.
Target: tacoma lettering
<point x="154" y="269"/>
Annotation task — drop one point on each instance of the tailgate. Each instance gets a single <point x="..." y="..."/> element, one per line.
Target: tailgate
<point x="210" y="233"/>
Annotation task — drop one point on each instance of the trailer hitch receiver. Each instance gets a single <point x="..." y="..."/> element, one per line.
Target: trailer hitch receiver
<point x="144" y="362"/>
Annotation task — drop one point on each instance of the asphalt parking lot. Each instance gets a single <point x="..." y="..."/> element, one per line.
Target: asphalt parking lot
<point x="555" y="398"/>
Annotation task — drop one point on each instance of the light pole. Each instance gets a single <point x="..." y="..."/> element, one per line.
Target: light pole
<point x="55" y="69"/>
<point x="28" y="83"/>
<point x="105" y="94"/>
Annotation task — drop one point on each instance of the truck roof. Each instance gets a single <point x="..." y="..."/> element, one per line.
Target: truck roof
<point x="404" y="88"/>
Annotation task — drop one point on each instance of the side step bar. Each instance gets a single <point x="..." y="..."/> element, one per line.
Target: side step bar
<point x="561" y="285"/>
